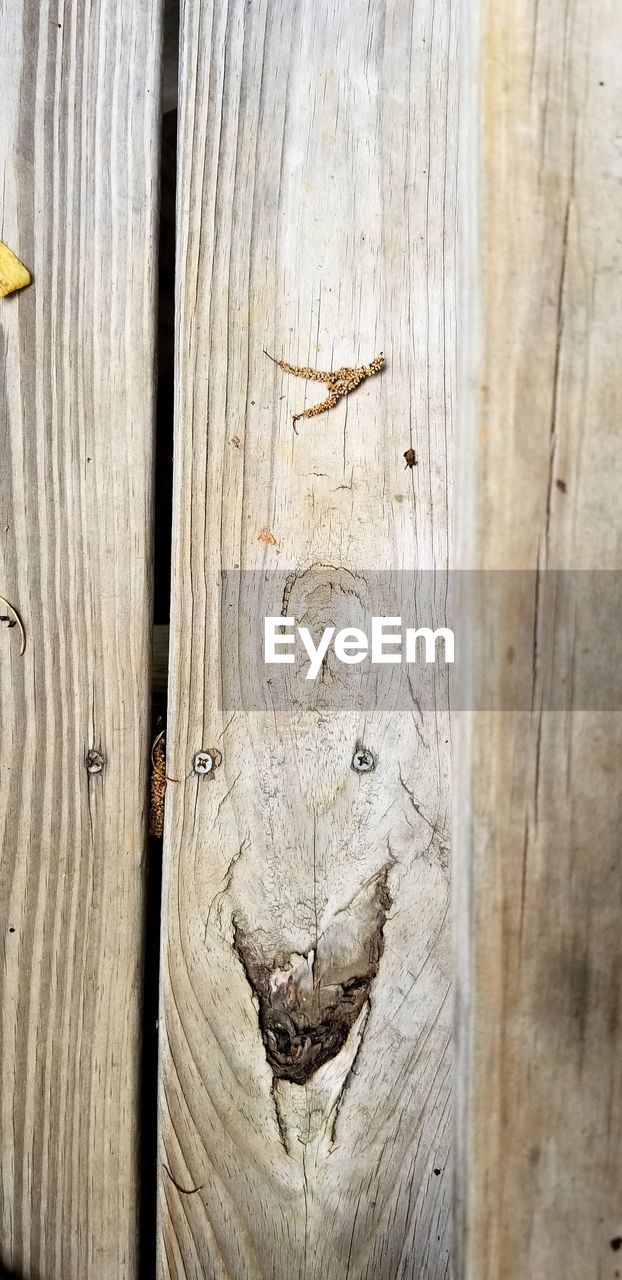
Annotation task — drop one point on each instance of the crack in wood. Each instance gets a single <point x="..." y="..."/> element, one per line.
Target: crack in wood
<point x="279" y="1118"/>
<point x="308" y="1003"/>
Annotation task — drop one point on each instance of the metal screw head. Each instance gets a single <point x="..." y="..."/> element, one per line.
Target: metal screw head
<point x="94" y="761"/>
<point x="203" y="762"/>
<point x="362" y="760"/>
<point x="207" y="760"/>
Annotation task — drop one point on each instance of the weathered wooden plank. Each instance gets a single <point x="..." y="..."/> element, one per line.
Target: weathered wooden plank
<point x="79" y="131"/>
<point x="538" y="821"/>
<point x="317" y="176"/>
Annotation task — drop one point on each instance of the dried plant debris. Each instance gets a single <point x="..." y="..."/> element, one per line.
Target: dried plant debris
<point x="411" y="458"/>
<point x="338" y="382"/>
<point x="158" y="786"/>
<point x="12" y="619"/>
<point x="13" y="274"/>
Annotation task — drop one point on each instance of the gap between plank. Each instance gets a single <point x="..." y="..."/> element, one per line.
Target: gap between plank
<point x="163" y="497"/>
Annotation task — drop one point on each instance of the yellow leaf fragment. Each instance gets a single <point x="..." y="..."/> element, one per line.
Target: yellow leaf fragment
<point x="13" y="274"/>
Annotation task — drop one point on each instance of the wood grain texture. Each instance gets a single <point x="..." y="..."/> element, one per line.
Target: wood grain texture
<point x="316" y="219"/>
<point x="539" y="875"/>
<point x="79" y="131"/>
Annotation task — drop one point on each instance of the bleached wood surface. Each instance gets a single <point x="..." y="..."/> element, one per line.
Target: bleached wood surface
<point x="317" y="220"/>
<point x="537" y="830"/>
<point x="79" y="131"/>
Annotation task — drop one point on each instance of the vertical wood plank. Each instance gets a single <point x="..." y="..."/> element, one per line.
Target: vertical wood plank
<point x="79" y="132"/>
<point x="316" y="219"/>
<point x="539" y="882"/>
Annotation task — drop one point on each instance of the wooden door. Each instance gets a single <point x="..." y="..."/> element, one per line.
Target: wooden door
<point x="307" y="965"/>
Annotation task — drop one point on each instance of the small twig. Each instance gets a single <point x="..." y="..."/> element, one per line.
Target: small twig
<point x="184" y="1191"/>
<point x="155" y="743"/>
<point x="18" y="621"/>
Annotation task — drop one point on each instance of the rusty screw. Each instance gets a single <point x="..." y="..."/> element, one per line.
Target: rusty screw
<point x="94" y="761"/>
<point x="362" y="760"/>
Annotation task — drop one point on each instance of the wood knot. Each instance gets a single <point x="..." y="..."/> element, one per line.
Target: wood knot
<point x="308" y="1003"/>
<point x="94" y="761"/>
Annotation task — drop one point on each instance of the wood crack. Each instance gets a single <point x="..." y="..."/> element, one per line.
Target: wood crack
<point x="349" y="1077"/>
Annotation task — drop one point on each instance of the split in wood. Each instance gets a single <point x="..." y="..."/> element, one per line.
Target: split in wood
<point x="339" y="382"/>
<point x="14" y="621"/>
<point x="13" y="274"/>
<point x="309" y="1003"/>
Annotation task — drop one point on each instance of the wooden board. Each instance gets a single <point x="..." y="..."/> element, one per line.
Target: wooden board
<point x="537" y="831"/>
<point x="317" y="220"/>
<point x="79" y="131"/>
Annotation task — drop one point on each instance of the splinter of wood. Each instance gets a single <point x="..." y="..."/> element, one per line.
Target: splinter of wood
<point x="339" y="382"/>
<point x="14" y="621"/>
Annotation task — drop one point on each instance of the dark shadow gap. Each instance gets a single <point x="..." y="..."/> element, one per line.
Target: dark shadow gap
<point x="166" y="375"/>
<point x="149" y="1069"/>
<point x="163" y="503"/>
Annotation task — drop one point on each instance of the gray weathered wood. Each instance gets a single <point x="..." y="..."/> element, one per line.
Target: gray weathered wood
<point x="539" y="875"/>
<point x="317" y="193"/>
<point x="79" y="130"/>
